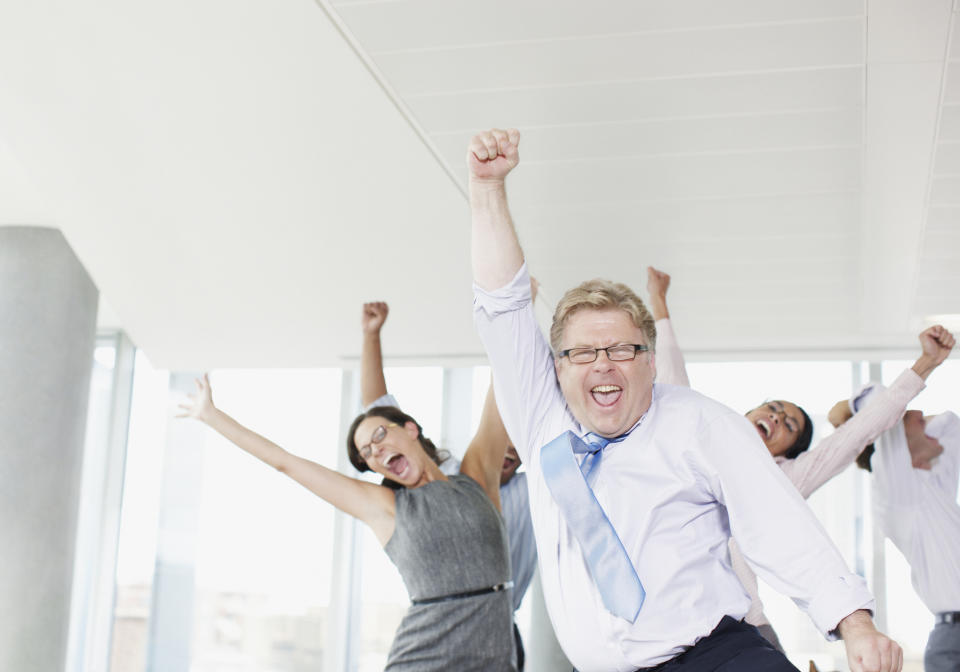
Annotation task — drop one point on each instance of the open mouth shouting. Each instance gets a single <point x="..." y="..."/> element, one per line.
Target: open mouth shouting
<point x="764" y="429"/>
<point x="395" y="463"/>
<point x="606" y="395"/>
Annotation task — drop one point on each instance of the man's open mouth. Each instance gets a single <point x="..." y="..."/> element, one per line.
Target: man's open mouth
<point x="606" y="395"/>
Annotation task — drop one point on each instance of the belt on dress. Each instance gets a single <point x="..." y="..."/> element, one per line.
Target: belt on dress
<point x="500" y="587"/>
<point x="948" y="617"/>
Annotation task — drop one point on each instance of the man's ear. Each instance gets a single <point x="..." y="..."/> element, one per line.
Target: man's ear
<point x="653" y="363"/>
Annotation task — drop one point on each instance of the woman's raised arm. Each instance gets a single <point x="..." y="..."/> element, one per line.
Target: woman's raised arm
<point x="373" y="504"/>
<point x="372" y="383"/>
<point x="483" y="461"/>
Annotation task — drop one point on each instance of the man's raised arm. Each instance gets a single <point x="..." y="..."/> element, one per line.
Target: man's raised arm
<point x="496" y="251"/>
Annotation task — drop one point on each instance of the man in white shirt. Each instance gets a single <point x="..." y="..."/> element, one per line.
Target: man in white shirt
<point x="916" y="467"/>
<point x="671" y="473"/>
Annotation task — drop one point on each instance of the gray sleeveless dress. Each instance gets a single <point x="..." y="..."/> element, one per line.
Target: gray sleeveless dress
<point x="450" y="539"/>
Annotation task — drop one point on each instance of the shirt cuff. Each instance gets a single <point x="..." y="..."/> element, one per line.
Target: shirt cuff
<point x="513" y="296"/>
<point x="386" y="400"/>
<point x="859" y="401"/>
<point x="836" y="599"/>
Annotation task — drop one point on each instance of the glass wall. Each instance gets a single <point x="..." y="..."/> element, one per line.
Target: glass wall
<point x="139" y="516"/>
<point x="264" y="551"/>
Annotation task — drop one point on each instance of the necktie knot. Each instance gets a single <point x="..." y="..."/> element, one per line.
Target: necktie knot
<point x="595" y="442"/>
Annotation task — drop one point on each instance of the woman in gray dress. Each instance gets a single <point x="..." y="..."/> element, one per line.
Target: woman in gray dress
<point x="445" y="534"/>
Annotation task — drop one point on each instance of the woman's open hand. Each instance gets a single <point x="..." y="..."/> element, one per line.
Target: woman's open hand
<point x="200" y="404"/>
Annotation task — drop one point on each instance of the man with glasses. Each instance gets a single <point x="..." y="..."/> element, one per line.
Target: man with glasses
<point x="636" y="488"/>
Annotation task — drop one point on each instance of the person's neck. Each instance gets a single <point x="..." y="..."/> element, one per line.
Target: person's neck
<point x="431" y="472"/>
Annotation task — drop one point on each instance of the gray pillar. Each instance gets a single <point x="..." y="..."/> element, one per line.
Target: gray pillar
<point x="48" y="319"/>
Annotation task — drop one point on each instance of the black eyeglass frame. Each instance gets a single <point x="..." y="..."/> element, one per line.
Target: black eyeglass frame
<point x="637" y="347"/>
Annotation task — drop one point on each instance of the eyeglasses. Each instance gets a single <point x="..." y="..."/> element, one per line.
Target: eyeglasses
<point x="379" y="434"/>
<point x="615" y="353"/>
<point x="788" y="422"/>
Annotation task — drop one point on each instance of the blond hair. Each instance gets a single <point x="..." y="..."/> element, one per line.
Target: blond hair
<point x="600" y="294"/>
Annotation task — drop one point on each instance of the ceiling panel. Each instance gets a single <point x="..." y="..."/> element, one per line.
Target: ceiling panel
<point x="700" y="135"/>
<point x="598" y="102"/>
<point x="947" y="160"/>
<point x="945" y="190"/>
<point x="817" y="215"/>
<point x="690" y="177"/>
<point x="466" y="22"/>
<point x="944" y="219"/>
<point x="949" y="123"/>
<point x="625" y="57"/>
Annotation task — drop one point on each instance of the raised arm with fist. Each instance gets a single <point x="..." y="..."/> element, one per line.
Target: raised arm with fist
<point x="496" y="253"/>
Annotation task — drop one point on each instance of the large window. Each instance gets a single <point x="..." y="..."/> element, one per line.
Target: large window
<point x="264" y="543"/>
<point x="139" y="516"/>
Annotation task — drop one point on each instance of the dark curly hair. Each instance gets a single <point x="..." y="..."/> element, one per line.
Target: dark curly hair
<point x="395" y="415"/>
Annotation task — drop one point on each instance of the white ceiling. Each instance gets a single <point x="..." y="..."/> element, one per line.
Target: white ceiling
<point x="239" y="176"/>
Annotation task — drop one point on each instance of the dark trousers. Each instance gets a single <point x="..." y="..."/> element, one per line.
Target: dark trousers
<point x="733" y="646"/>
<point x="520" y="653"/>
<point x="943" y="648"/>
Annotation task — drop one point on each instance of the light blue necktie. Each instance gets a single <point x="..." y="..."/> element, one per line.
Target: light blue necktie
<point x="607" y="559"/>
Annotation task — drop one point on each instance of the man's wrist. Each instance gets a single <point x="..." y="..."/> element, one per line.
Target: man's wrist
<point x="856" y="623"/>
<point x="924" y="365"/>
<point x="658" y="307"/>
<point x="483" y="191"/>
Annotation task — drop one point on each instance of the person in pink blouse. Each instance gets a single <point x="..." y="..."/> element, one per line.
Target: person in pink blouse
<point x="786" y="429"/>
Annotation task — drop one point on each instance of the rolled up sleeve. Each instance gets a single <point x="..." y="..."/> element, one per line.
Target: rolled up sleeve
<point x="524" y="380"/>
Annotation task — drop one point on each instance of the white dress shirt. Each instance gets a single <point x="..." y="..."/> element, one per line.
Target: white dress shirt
<point x="674" y="490"/>
<point x="812" y="468"/>
<point x="917" y="509"/>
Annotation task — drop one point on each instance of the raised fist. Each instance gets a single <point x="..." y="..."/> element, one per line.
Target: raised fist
<point x="658" y="282"/>
<point x="937" y="342"/>
<point x="374" y="315"/>
<point x="492" y="154"/>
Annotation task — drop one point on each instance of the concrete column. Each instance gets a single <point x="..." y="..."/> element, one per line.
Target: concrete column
<point x="48" y="316"/>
